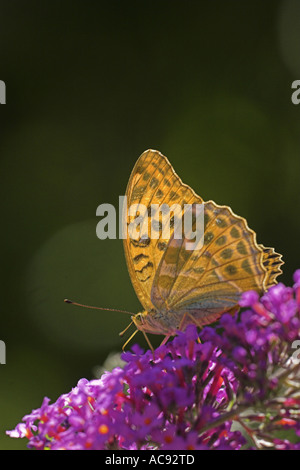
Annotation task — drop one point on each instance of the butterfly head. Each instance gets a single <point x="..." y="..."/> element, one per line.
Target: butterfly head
<point x="152" y="322"/>
<point x="140" y="319"/>
<point x="144" y="321"/>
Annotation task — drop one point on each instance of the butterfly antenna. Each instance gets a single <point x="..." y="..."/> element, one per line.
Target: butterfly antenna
<point x="67" y="301"/>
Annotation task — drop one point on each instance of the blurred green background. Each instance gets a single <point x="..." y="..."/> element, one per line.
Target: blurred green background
<point x="90" y="86"/>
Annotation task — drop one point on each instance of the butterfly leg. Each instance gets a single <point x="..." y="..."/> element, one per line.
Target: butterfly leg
<point x="148" y="342"/>
<point x="129" y="339"/>
<point x="187" y="314"/>
<point x="194" y="321"/>
<point x="165" y="340"/>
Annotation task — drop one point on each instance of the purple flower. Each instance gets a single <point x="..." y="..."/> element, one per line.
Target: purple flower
<point x="188" y="395"/>
<point x="249" y="298"/>
<point x="148" y="404"/>
<point x="296" y="277"/>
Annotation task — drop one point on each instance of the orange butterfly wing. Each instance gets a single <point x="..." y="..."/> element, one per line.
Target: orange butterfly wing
<point x="205" y="282"/>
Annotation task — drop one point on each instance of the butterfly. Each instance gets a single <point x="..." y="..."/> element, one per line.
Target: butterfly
<point x="176" y="286"/>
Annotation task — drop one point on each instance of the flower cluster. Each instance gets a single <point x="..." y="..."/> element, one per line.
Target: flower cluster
<point x="261" y="347"/>
<point x="162" y="402"/>
<point x="235" y="387"/>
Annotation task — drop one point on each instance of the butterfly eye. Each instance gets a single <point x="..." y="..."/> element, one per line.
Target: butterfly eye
<point x="140" y="318"/>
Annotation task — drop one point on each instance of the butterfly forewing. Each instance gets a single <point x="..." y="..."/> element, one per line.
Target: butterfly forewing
<point x="152" y="182"/>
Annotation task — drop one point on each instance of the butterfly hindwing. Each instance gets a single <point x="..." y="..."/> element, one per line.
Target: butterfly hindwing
<point x="210" y="280"/>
